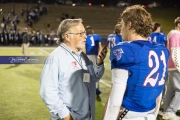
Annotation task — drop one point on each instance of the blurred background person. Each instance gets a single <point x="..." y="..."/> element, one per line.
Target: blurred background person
<point x="172" y="101"/>
<point x="25" y="41"/>
<point x="93" y="47"/>
<point x="157" y="35"/>
<point x="116" y="37"/>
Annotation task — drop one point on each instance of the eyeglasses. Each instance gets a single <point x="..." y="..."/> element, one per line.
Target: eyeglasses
<point x="79" y="34"/>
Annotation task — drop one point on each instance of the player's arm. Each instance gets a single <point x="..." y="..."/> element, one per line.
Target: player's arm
<point x="175" y="50"/>
<point x="105" y="107"/>
<point x="119" y="81"/>
<point x="176" y="57"/>
<point x="158" y="101"/>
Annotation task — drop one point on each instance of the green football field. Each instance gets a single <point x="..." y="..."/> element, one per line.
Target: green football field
<point x="19" y="87"/>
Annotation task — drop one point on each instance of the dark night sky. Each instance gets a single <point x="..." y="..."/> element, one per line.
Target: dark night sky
<point x="135" y="1"/>
<point x="164" y="3"/>
<point x="145" y="2"/>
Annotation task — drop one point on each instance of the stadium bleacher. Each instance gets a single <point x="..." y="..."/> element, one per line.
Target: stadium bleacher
<point x="101" y="19"/>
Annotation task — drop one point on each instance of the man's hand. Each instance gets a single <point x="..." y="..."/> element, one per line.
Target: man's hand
<point x="69" y="117"/>
<point x="101" y="56"/>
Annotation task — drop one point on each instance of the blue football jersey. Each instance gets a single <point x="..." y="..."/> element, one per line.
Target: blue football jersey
<point x="158" y="37"/>
<point x="114" y="39"/>
<point x="92" y="44"/>
<point x="147" y="65"/>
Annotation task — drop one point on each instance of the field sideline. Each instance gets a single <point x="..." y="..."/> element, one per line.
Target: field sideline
<point x="19" y="86"/>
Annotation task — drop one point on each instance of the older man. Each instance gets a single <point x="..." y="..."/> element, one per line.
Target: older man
<point x="68" y="80"/>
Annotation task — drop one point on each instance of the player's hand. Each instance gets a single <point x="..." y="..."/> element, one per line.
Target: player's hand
<point x="69" y="117"/>
<point x="101" y="56"/>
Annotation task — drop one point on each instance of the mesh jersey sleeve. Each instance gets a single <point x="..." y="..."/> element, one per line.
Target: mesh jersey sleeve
<point x="174" y="43"/>
<point x="175" y="57"/>
<point x="122" y="57"/>
<point x="174" y="40"/>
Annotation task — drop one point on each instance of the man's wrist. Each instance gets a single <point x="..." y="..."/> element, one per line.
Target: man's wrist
<point x="98" y="63"/>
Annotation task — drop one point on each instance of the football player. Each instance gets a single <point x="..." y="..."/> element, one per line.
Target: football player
<point x="138" y="67"/>
<point x="157" y="35"/>
<point x="93" y="47"/>
<point x="116" y="37"/>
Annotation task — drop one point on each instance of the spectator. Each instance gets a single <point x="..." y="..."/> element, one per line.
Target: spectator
<point x="6" y="37"/>
<point x="17" y="38"/>
<point x="22" y="11"/>
<point x="51" y="37"/>
<point x="172" y="101"/>
<point x="2" y="38"/>
<point x="3" y="19"/>
<point x="25" y="41"/>
<point x="72" y="17"/>
<point x="13" y="10"/>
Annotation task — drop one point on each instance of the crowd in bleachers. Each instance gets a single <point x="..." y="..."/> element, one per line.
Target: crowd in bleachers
<point x="11" y="35"/>
<point x="32" y="14"/>
<point x="36" y="38"/>
<point x="66" y="16"/>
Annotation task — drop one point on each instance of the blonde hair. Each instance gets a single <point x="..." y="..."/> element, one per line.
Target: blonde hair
<point x="176" y="21"/>
<point x="117" y="28"/>
<point x="89" y="30"/>
<point x="140" y="19"/>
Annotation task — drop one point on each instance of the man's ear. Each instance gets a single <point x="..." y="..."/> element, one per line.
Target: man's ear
<point x="65" y="36"/>
<point x="129" y="25"/>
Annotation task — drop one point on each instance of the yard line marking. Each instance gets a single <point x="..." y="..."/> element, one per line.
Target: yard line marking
<point x="44" y="51"/>
<point x="105" y="83"/>
<point x="36" y="53"/>
<point x="32" y="53"/>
